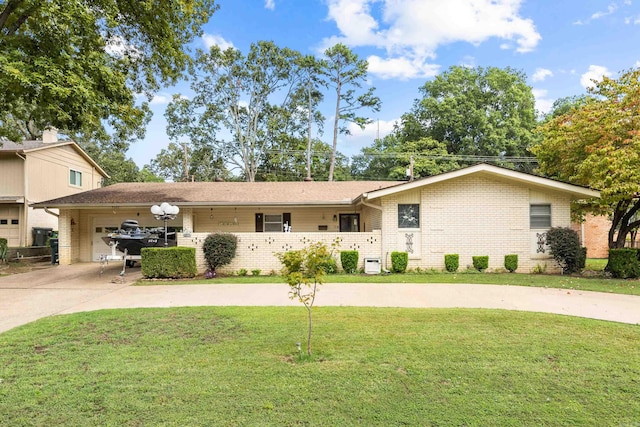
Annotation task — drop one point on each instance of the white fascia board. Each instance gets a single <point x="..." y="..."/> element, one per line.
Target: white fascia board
<point x="576" y="191"/>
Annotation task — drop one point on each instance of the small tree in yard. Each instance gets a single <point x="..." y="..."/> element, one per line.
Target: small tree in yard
<point x="304" y="271"/>
<point x="219" y="249"/>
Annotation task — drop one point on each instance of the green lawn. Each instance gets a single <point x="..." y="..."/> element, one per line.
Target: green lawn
<point x="595" y="283"/>
<point x="239" y="366"/>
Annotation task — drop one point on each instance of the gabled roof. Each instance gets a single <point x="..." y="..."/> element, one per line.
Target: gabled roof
<point x="26" y="147"/>
<point x="220" y="194"/>
<point x="496" y="172"/>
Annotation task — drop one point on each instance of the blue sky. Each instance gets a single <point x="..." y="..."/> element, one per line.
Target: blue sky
<point x="560" y="44"/>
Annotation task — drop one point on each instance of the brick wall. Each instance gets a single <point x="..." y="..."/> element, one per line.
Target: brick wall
<point x="258" y="250"/>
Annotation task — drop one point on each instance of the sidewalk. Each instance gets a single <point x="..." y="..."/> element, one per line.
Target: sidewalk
<point x="80" y="287"/>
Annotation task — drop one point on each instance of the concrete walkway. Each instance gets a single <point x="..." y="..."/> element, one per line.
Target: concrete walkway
<point x="81" y="287"/>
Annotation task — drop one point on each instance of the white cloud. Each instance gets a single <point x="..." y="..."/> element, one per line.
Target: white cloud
<point x="610" y="10"/>
<point x="637" y="64"/>
<point x="414" y="29"/>
<point x="595" y="72"/>
<point x="543" y="103"/>
<point x="215" y="40"/>
<point x="270" y="4"/>
<point x="400" y="68"/>
<point x="116" y="46"/>
<point x="379" y="128"/>
<point x="540" y="74"/>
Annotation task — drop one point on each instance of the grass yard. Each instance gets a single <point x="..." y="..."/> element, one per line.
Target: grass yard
<point x="595" y="283"/>
<point x="239" y="366"/>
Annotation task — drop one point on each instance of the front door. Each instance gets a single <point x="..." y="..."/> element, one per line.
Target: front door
<point x="349" y="223"/>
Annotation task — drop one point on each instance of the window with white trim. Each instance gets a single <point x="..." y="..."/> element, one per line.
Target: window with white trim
<point x="540" y="216"/>
<point x="75" y="178"/>
<point x="272" y="222"/>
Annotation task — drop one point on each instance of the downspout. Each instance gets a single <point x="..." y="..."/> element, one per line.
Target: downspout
<point x="51" y="212"/>
<point x="25" y="202"/>
<point x="363" y="202"/>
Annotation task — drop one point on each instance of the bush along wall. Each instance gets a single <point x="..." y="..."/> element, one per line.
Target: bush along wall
<point x="168" y="263"/>
<point x="624" y="264"/>
<point x="511" y="262"/>
<point x="349" y="260"/>
<point x="565" y="248"/>
<point x="451" y="262"/>
<point x="480" y="263"/>
<point x="399" y="262"/>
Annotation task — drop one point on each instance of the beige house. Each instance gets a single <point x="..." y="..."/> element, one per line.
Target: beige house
<point x="479" y="210"/>
<point x="34" y="171"/>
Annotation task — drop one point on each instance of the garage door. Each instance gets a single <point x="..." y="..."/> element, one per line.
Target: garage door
<point x="10" y="224"/>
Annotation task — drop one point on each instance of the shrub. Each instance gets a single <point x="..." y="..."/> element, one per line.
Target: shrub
<point x="511" y="262"/>
<point x="399" y="261"/>
<point x="219" y="249"/>
<point x="623" y="263"/>
<point x="329" y="265"/>
<point x="480" y="263"/>
<point x="256" y="272"/>
<point x="349" y="260"/>
<point x="582" y="261"/>
<point x="4" y="248"/>
<point x="243" y="272"/>
<point x="451" y="262"/>
<point x="168" y="263"/>
<point x="565" y="248"/>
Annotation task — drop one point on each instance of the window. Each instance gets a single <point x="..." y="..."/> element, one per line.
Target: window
<point x="4" y="221"/>
<point x="409" y="216"/>
<point x="540" y="216"/>
<point x="272" y="223"/>
<point x="75" y="178"/>
<point x="14" y="222"/>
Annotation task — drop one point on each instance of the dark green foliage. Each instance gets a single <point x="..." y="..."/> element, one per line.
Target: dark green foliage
<point x="451" y="262"/>
<point x="243" y="272"/>
<point x="480" y="263"/>
<point x="169" y="263"/>
<point x="623" y="263"/>
<point x="565" y="248"/>
<point x="349" y="260"/>
<point x="219" y="249"/>
<point x="4" y="247"/>
<point x="399" y="261"/>
<point x="329" y="265"/>
<point x="582" y="261"/>
<point x="511" y="262"/>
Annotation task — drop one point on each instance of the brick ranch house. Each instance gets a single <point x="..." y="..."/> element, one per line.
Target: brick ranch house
<point x="478" y="210"/>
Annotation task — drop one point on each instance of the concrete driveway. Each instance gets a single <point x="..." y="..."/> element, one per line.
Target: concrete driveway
<point x="82" y="287"/>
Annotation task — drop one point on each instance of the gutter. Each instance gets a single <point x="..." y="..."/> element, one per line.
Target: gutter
<point x="383" y="258"/>
<point x="25" y="206"/>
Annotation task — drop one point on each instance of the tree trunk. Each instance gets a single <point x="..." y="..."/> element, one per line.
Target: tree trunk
<point x="336" y="122"/>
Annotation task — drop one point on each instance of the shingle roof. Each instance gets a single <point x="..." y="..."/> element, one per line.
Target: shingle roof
<point x="220" y="193"/>
<point x="29" y="145"/>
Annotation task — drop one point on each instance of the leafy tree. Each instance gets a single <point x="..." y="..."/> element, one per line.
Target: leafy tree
<point x="304" y="271"/>
<point x="254" y="99"/>
<point x="77" y="66"/>
<point x="598" y="145"/>
<point x="564" y="105"/>
<point x="389" y="158"/>
<point x="475" y="111"/>
<point x="345" y="73"/>
<point x="201" y="161"/>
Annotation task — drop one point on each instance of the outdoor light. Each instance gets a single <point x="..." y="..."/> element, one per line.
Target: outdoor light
<point x="165" y="212"/>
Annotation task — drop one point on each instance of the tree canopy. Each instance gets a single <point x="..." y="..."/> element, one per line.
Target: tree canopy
<point x="78" y="65"/>
<point x="476" y="111"/>
<point x="598" y="145"/>
<point x="346" y="73"/>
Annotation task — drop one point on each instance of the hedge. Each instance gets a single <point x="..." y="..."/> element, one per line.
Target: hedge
<point x="399" y="261"/>
<point x="349" y="260"/>
<point x="451" y="262"/>
<point x="168" y="263"/>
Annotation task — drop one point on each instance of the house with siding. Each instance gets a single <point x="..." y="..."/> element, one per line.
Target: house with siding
<point x="478" y="210"/>
<point x="35" y="171"/>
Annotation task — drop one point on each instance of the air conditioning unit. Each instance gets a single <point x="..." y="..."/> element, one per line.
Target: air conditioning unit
<point x="372" y="265"/>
